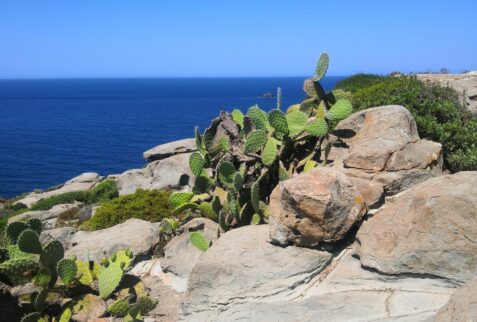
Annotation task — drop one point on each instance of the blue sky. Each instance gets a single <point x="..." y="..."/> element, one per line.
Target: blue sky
<point x="176" y="38"/>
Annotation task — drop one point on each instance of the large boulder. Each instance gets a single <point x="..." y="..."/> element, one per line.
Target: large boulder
<point x="48" y="218"/>
<point x="135" y="234"/>
<point x="169" y="173"/>
<point x="430" y="229"/>
<point x="462" y="306"/>
<point x="82" y="182"/>
<point x="243" y="266"/>
<point x="382" y="144"/>
<point x="321" y="205"/>
<point x="180" y="256"/>
<point x="169" y="149"/>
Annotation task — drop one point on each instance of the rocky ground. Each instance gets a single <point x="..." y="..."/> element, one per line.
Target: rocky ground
<point x="381" y="234"/>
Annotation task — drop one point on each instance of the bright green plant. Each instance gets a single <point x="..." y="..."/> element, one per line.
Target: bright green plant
<point x="198" y="240"/>
<point x="150" y="205"/>
<point x="233" y="184"/>
<point x="27" y="260"/>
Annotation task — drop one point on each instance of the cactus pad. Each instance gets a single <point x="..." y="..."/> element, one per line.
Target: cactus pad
<point x="270" y="152"/>
<point x="119" y="308"/>
<point x="309" y="165"/>
<point x="199" y="241"/>
<point x="32" y="317"/>
<point x="14" y="230"/>
<point x="208" y="211"/>
<point x="341" y="110"/>
<point x="85" y="274"/>
<point x="321" y="67"/>
<point x="318" y="127"/>
<point x="180" y="198"/>
<point x="52" y="254"/>
<point x="255" y="219"/>
<point x="43" y="278"/>
<point x="198" y="139"/>
<point x="278" y="122"/>
<point x="237" y="116"/>
<point x="196" y="163"/>
<point x="259" y="118"/>
<point x="202" y="184"/>
<point x="143" y="305"/>
<point x="19" y="267"/>
<point x="255" y="141"/>
<point x="66" y="269"/>
<point x="29" y="242"/>
<point x="227" y="172"/>
<point x="296" y="122"/>
<point x="184" y="207"/>
<point x="34" y="224"/>
<point x="108" y="280"/>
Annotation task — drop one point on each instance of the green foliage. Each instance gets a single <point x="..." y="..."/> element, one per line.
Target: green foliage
<point x="150" y="205"/>
<point x="103" y="191"/>
<point x="196" y="163"/>
<point x="199" y="241"/>
<point x="437" y="111"/>
<point x="359" y="81"/>
<point x="261" y="150"/>
<point x="42" y="265"/>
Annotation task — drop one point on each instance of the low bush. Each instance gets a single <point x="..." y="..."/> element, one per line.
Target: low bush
<point x="437" y="111"/>
<point x="359" y="81"/>
<point x="105" y="190"/>
<point x="150" y="205"/>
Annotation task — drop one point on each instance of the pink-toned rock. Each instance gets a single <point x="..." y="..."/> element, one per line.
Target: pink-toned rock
<point x="462" y="306"/>
<point x="321" y="205"/>
<point x="382" y="144"/>
<point x="429" y="229"/>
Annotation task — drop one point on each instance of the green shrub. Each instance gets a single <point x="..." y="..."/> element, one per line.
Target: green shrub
<point x="67" y="197"/>
<point x="105" y="190"/>
<point x="150" y="205"/>
<point x="437" y="111"/>
<point x="359" y="81"/>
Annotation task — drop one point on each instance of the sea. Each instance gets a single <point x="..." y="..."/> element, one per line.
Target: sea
<point x="54" y="129"/>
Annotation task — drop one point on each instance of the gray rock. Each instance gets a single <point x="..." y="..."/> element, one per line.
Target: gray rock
<point x="63" y="235"/>
<point x="462" y="306"/>
<point x="464" y="84"/>
<point x="135" y="234"/>
<point x="49" y="217"/>
<point x="344" y="291"/>
<point x="429" y="229"/>
<point x="180" y="256"/>
<point x="243" y="266"/>
<point x="171" y="173"/>
<point x="381" y="144"/>
<point x="82" y="182"/>
<point x="320" y="205"/>
<point x="169" y="149"/>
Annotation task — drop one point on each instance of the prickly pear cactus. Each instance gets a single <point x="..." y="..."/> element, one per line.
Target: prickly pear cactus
<point x="109" y="279"/>
<point x="199" y="241"/>
<point x="29" y="242"/>
<point x="251" y="153"/>
<point x="67" y="269"/>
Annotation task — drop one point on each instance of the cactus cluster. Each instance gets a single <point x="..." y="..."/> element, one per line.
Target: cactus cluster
<point x="26" y="259"/>
<point x="242" y="157"/>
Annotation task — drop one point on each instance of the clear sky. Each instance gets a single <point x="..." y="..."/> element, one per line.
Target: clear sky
<point x="176" y="38"/>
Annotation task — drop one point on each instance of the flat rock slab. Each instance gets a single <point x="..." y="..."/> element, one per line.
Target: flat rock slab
<point x="135" y="234"/>
<point x="169" y="149"/>
<point x="49" y="217"/>
<point x="243" y="266"/>
<point x="169" y="173"/>
<point x="180" y="256"/>
<point x="345" y="292"/>
<point x="430" y="229"/>
<point x="82" y="182"/>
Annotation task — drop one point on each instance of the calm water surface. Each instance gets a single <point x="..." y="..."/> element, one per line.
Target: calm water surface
<point x="53" y="130"/>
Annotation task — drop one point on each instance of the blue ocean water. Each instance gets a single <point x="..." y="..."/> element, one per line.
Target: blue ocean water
<point x="53" y="130"/>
